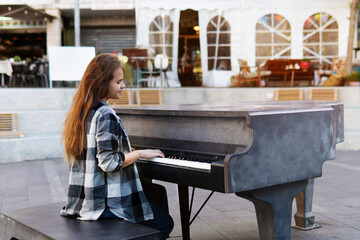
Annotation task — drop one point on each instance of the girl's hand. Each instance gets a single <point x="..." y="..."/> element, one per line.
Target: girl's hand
<point x="150" y="153"/>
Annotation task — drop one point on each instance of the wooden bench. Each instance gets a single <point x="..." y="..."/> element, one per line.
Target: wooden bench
<point x="279" y="73"/>
<point x="330" y="94"/>
<point x="149" y="96"/>
<point x="45" y="222"/>
<point x="126" y="100"/>
<point x="9" y="126"/>
<point x="288" y="94"/>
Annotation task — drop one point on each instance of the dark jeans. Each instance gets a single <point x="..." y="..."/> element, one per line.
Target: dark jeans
<point x="162" y="220"/>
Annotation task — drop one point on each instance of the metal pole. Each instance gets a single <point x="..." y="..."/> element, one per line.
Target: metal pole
<point x="77" y="23"/>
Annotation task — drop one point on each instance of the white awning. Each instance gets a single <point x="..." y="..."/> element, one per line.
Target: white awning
<point x="189" y="4"/>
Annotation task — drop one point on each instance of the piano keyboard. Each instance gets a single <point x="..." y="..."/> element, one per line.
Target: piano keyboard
<point x="181" y="163"/>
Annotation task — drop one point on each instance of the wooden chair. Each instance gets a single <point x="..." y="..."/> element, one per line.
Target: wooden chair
<point x="126" y="100"/>
<point x="336" y="64"/>
<point x="245" y="74"/>
<point x="149" y="96"/>
<point x="9" y="126"/>
<point x="288" y="94"/>
<point x="330" y="94"/>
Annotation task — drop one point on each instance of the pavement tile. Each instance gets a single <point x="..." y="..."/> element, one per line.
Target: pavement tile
<point x="16" y="202"/>
<point x="223" y="224"/>
<point x="239" y="213"/>
<point x="336" y="202"/>
<point x="14" y="192"/>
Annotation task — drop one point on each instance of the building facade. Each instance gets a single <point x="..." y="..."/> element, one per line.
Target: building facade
<point x="228" y="30"/>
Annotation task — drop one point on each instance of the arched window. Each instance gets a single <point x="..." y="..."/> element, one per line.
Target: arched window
<point x="273" y="38"/>
<point x="161" y="35"/>
<point x="218" y="40"/>
<point x="321" y="37"/>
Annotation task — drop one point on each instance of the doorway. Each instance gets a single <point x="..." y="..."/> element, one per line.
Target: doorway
<point x="189" y="57"/>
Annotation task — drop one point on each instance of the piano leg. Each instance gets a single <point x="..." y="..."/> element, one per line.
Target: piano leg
<point x="183" y="191"/>
<point x="273" y="207"/>
<point x="304" y="217"/>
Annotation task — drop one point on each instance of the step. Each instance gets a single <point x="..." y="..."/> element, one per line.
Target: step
<point x="31" y="147"/>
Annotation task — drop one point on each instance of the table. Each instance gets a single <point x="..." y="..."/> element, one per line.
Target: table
<point x="5" y="68"/>
<point x="294" y="71"/>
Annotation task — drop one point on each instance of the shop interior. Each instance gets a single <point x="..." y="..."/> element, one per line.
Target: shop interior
<point x="23" y="45"/>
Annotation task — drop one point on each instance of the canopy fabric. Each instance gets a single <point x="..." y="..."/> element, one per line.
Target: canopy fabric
<point x="22" y="11"/>
<point x="242" y="16"/>
<point x="189" y="4"/>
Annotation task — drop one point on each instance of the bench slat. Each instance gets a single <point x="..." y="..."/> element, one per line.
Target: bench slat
<point x="331" y="94"/>
<point x="288" y="94"/>
<point x="149" y="96"/>
<point x="9" y="126"/>
<point x="126" y="100"/>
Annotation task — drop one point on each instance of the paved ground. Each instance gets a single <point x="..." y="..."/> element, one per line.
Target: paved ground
<point x="336" y="200"/>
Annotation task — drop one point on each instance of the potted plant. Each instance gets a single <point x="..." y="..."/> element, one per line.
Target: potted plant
<point x="17" y="58"/>
<point x="305" y="63"/>
<point x="352" y="79"/>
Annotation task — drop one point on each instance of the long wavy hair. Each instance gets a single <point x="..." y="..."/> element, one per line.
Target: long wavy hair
<point x="92" y="88"/>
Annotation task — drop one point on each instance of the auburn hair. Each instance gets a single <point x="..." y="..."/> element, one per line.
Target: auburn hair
<point x="92" y="88"/>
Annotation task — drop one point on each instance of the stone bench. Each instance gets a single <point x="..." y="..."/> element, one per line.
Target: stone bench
<point x="45" y="222"/>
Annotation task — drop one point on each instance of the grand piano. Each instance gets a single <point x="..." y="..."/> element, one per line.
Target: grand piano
<point x="262" y="151"/>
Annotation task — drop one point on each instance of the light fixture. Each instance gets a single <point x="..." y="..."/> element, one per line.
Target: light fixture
<point x="26" y="12"/>
<point x="196" y="28"/>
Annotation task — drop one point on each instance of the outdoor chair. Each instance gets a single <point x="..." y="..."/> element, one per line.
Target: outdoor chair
<point x="155" y="72"/>
<point x="326" y="70"/>
<point x="43" y="74"/>
<point x="161" y="62"/>
<point x="288" y="94"/>
<point x="19" y="75"/>
<point x="149" y="75"/>
<point x="245" y="74"/>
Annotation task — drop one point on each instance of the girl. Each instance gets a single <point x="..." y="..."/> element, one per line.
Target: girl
<point x="104" y="181"/>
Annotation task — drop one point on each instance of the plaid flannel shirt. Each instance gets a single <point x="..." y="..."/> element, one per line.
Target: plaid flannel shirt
<point x="99" y="180"/>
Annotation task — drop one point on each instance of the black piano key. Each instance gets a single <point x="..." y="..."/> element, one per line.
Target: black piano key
<point x="190" y="157"/>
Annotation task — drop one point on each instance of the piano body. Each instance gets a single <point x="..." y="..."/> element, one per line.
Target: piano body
<point x="262" y="151"/>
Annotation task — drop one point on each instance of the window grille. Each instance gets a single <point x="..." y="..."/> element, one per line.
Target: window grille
<point x="219" y="44"/>
<point x="272" y="37"/>
<point x="161" y="35"/>
<point x="320" y="38"/>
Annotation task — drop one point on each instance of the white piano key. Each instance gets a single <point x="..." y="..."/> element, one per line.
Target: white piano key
<point x="178" y="162"/>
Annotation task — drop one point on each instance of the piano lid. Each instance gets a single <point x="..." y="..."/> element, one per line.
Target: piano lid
<point x="228" y="125"/>
<point x="239" y="109"/>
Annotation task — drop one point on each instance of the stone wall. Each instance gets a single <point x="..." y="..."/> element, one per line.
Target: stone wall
<point x="40" y="116"/>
